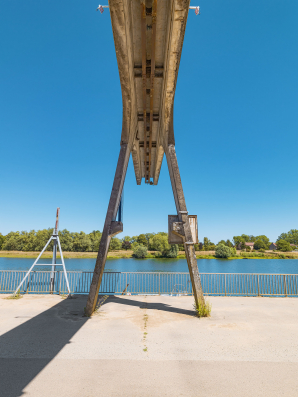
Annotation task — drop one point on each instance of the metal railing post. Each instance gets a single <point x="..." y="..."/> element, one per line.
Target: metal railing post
<point x="225" y="285"/>
<point x="285" y="285"/>
<point x="159" y="284"/>
<point x="258" y="287"/>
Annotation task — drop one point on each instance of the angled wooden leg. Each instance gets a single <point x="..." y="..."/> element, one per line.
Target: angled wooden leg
<point x="183" y="217"/>
<point x="111" y="227"/>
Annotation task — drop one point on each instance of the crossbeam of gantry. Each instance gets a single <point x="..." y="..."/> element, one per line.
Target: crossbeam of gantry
<point x="148" y="38"/>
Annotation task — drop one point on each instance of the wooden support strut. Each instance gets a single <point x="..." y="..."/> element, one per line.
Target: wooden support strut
<point x="153" y="41"/>
<point x="144" y="78"/>
<point x="183" y="218"/>
<point x="111" y="227"/>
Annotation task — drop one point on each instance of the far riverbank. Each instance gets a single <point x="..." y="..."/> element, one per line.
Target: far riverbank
<point x="279" y="266"/>
<point x="122" y="254"/>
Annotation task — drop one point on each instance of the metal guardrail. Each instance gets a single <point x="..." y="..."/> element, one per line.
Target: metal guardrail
<point x="154" y="283"/>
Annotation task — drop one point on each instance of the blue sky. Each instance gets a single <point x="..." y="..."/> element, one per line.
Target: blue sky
<point x="235" y="120"/>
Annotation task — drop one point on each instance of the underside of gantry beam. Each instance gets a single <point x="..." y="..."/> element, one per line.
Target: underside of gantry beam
<point x="148" y="38"/>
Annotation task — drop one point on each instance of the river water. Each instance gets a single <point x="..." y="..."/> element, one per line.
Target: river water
<point x="283" y="266"/>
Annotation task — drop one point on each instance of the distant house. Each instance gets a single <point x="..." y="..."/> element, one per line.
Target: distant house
<point x="250" y="245"/>
<point x="273" y="246"/>
<point x="293" y="245"/>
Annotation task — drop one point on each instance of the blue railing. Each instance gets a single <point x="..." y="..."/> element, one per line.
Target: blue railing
<point x="153" y="283"/>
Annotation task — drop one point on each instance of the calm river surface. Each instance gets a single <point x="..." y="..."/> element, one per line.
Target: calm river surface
<point x="284" y="266"/>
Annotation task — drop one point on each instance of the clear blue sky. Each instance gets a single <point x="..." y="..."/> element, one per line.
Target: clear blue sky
<point x="235" y="120"/>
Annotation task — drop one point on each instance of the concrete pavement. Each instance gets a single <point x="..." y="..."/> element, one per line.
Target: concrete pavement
<point x="148" y="346"/>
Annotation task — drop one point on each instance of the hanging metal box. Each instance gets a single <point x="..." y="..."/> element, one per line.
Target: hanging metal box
<point x="174" y="229"/>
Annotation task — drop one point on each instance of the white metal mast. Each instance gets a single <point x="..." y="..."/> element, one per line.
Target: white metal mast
<point x="55" y="238"/>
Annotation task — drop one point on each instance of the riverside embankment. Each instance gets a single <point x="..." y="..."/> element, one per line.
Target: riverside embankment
<point x="151" y="254"/>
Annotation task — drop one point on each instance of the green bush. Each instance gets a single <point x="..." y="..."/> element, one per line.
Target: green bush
<point x="140" y="251"/>
<point x="115" y="244"/>
<point x="203" y="310"/>
<point x="260" y="244"/>
<point x="172" y="252"/>
<point x="159" y="242"/>
<point x="222" y="251"/>
<point x="233" y="251"/>
<point x="283" y="245"/>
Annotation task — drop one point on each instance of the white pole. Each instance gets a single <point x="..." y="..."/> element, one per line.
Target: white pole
<point x="32" y="266"/>
<point x="62" y="260"/>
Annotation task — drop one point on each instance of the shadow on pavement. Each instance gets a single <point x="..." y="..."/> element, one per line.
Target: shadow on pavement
<point x="149" y="305"/>
<point x="28" y="348"/>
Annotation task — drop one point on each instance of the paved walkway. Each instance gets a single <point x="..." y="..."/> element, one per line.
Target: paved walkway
<point x="148" y="346"/>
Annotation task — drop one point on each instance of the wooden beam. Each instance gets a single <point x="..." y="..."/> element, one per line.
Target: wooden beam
<point x="183" y="217"/>
<point x="110" y="227"/>
<point x="153" y="41"/>
<point x="144" y="77"/>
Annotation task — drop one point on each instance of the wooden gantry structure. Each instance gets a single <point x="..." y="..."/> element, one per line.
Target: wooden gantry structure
<point x="148" y="36"/>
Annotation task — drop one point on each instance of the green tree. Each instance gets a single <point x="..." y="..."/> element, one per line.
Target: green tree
<point x="291" y="236"/>
<point x="15" y="241"/>
<point x="140" y="251"/>
<point x="222" y="251"/>
<point x="95" y="237"/>
<point x="2" y="240"/>
<point x="30" y="242"/>
<point x="42" y="237"/>
<point x="260" y="244"/>
<point x="238" y="240"/>
<point x="208" y="245"/>
<point x="115" y="244"/>
<point x="159" y="242"/>
<point x="244" y="238"/>
<point x="181" y="247"/>
<point x="233" y="251"/>
<point x="283" y="245"/>
<point x="172" y="252"/>
<point x="222" y="242"/>
<point x="265" y="240"/>
<point x="142" y="240"/>
<point x="229" y="243"/>
<point x="148" y="237"/>
<point x="82" y="242"/>
<point x="134" y="239"/>
<point x="66" y="240"/>
<point x="126" y="245"/>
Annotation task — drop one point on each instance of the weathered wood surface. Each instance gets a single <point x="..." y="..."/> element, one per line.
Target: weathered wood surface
<point x="183" y="218"/>
<point x="148" y="38"/>
<point x="111" y="228"/>
<point x="154" y="76"/>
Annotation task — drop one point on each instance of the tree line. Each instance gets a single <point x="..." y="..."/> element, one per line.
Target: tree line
<point x="85" y="242"/>
<point x="82" y="242"/>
